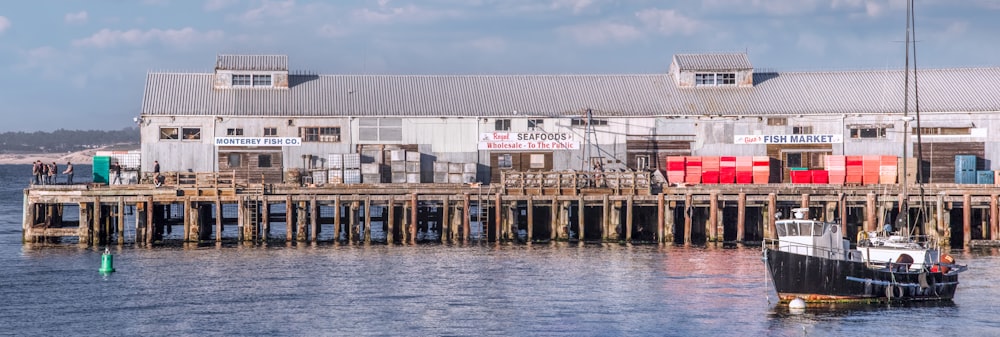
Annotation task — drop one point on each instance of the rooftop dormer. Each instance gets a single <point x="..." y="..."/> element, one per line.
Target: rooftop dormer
<point x="251" y="72"/>
<point x="711" y="70"/>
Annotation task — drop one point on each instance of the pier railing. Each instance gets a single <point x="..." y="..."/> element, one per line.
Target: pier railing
<point x="573" y="182"/>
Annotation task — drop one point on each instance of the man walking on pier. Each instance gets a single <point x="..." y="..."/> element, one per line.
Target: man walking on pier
<point x="117" y="170"/>
<point x="69" y="173"/>
<point x="36" y="173"/>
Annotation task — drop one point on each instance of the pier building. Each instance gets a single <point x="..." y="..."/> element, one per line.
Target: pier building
<point x="585" y="157"/>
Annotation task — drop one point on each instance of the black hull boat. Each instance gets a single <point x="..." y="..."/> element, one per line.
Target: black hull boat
<point x="811" y="261"/>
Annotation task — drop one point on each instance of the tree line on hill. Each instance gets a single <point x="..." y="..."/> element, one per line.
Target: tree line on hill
<point x="63" y="140"/>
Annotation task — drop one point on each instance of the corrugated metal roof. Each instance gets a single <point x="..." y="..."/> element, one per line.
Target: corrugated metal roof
<point x="793" y="93"/>
<point x="712" y="62"/>
<point x="252" y="62"/>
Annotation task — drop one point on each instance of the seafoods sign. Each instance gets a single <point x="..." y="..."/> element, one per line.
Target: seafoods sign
<point x="527" y="141"/>
<point x="258" y="141"/>
<point x="788" y="139"/>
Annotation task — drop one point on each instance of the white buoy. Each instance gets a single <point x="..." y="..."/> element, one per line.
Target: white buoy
<point x="797" y="305"/>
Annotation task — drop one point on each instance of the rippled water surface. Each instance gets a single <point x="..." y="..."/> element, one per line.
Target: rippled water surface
<point x="433" y="290"/>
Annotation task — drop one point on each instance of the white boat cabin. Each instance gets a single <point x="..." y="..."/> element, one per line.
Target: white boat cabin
<point x="813" y="238"/>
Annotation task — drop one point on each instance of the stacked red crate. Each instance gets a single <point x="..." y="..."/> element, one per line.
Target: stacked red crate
<point x="820" y="176"/>
<point x="761" y="169"/>
<point x="744" y="170"/>
<point x="710" y="170"/>
<point x="836" y="166"/>
<point x="675" y="169"/>
<point x="800" y="176"/>
<point x="887" y="170"/>
<point x="870" y="166"/>
<point x="727" y="170"/>
<point x="692" y="170"/>
<point x="853" y="165"/>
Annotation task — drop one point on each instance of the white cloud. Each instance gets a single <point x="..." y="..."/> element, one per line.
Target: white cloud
<point x="577" y="6"/>
<point x="601" y="33"/>
<point x="76" y="18"/>
<point x="4" y="24"/>
<point x="269" y="9"/>
<point x="176" y="37"/>
<point x="668" y="22"/>
<point x="410" y="13"/>
<point x="489" y="44"/>
<point x="332" y="31"/>
<point x="214" y="5"/>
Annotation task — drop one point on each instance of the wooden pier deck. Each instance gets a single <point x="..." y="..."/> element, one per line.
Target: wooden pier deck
<point x="629" y="209"/>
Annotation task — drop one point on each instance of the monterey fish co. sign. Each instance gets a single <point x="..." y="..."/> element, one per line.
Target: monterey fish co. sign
<point x="788" y="139"/>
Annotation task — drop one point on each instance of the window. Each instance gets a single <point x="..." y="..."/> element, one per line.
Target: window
<point x="234" y="132"/>
<point x="793" y="160"/>
<point x="169" y="133"/>
<point x="534" y="124"/>
<point x="777" y="121"/>
<point x="505" y="161"/>
<point x="235" y="160"/>
<point x="944" y="131"/>
<point x="802" y="130"/>
<point x="537" y="161"/>
<point x="248" y="80"/>
<point x="713" y="79"/>
<point x="583" y="122"/>
<point x="380" y="129"/>
<point x="502" y="125"/>
<point x="867" y="131"/>
<point x="323" y="135"/>
<point x="241" y="80"/>
<point x="262" y="80"/>
<point x="270" y="132"/>
<point x="641" y="162"/>
<point x="264" y="160"/>
<point x="191" y="133"/>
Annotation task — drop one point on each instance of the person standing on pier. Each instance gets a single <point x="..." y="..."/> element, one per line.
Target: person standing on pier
<point x="36" y="173"/>
<point x="44" y="173"/>
<point x="116" y="168"/>
<point x="69" y="173"/>
<point x="53" y="173"/>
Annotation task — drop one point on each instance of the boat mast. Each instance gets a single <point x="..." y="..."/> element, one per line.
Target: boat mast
<point x="916" y="103"/>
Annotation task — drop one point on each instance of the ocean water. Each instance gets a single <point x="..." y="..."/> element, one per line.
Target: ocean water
<point x="480" y="289"/>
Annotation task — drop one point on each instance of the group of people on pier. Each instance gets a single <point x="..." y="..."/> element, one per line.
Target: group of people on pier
<point x="47" y="174"/>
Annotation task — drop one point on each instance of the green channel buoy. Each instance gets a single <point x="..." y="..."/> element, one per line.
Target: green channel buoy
<point x="107" y="262"/>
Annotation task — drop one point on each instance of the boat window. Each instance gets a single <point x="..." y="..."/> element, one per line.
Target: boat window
<point x="818" y="229"/>
<point x="781" y="229"/>
<point x="793" y="229"/>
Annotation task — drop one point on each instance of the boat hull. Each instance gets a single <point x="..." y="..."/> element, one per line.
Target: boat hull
<point x="817" y="279"/>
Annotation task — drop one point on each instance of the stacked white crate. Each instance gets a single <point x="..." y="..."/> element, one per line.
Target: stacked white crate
<point x="469" y="172"/>
<point x="412" y="167"/>
<point x="335" y="163"/>
<point x="397" y="166"/>
<point x="371" y="173"/>
<point x="352" y="168"/>
<point x="455" y="173"/>
<point x="441" y="172"/>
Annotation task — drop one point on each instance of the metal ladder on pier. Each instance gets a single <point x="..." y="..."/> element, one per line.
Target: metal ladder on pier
<point x="253" y="201"/>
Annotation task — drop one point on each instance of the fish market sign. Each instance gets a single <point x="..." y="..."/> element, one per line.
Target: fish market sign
<point x="788" y="139"/>
<point x="258" y="141"/>
<point x="527" y="141"/>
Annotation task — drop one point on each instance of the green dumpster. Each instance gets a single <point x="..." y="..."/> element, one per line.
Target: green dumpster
<point x="102" y="164"/>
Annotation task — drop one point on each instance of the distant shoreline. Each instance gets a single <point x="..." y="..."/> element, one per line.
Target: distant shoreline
<point x="79" y="157"/>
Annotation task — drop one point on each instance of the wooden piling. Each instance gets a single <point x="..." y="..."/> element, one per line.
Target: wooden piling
<point x="628" y="217"/>
<point x="688" y="209"/>
<point x="531" y="218"/>
<point x="713" y="217"/>
<point x="367" y="236"/>
<point x="313" y="221"/>
<point x="606" y="224"/>
<point x="498" y="217"/>
<point x="994" y="233"/>
<point x="741" y="216"/>
<point x="218" y="218"/>
<point x="336" y="219"/>
<point x="289" y="221"/>
<point x="581" y="223"/>
<point x="413" y="218"/>
<point x="446" y="224"/>
<point x="772" y="209"/>
<point x="966" y="220"/>
<point x="120" y="226"/>
<point x="391" y="226"/>
<point x="871" y="222"/>
<point x="660" y="214"/>
<point x="466" y="216"/>
<point x="187" y="219"/>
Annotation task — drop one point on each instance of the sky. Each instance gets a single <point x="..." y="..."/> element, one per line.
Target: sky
<point x="82" y="65"/>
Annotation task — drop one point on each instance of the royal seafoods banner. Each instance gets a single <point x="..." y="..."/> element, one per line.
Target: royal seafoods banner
<point x="527" y="141"/>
